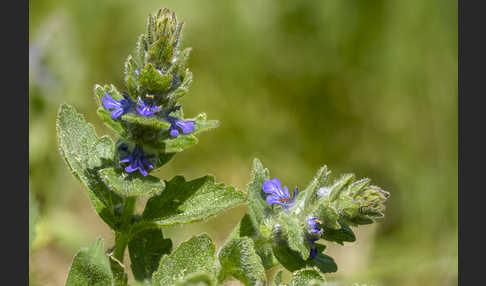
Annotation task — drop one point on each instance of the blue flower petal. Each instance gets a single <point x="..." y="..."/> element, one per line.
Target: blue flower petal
<point x="186" y="126"/>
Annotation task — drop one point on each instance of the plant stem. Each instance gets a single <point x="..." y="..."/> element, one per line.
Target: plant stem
<point x="122" y="236"/>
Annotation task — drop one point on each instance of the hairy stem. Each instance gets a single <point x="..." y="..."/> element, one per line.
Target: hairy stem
<point x="123" y="235"/>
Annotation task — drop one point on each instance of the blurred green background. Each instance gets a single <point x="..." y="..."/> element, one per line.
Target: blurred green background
<point x="368" y="87"/>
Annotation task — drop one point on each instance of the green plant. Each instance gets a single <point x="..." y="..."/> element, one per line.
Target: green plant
<point x="148" y="120"/>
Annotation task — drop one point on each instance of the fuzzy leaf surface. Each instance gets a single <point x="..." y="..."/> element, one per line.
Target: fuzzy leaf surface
<point x="292" y="261"/>
<point x="197" y="279"/>
<point x="195" y="255"/>
<point x="239" y="259"/>
<point x="257" y="205"/>
<point x="86" y="154"/>
<point x="90" y="267"/>
<point x="190" y="201"/>
<point x="146" y="249"/>
<point x="131" y="184"/>
<point x="304" y="277"/>
<point x="263" y="247"/>
<point x="296" y="235"/>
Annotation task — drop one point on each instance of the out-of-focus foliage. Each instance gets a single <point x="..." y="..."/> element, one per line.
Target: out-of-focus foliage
<point x="368" y="87"/>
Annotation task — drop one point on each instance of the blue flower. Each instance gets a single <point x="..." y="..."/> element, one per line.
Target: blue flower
<point x="277" y="194"/>
<point x="119" y="106"/>
<point x="313" y="227"/>
<point x="314" y="224"/>
<point x="176" y="123"/>
<point x="147" y="109"/>
<point x="137" y="161"/>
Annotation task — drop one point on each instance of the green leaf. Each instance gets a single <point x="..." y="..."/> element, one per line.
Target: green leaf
<point x="340" y="185"/>
<point x="347" y="206"/>
<point x="185" y="202"/>
<point x="148" y="123"/>
<point x="110" y="89"/>
<point x="339" y="235"/>
<point x="152" y="81"/>
<point x="257" y="205"/>
<point x="33" y="217"/>
<point x="326" y="212"/>
<point x="119" y="276"/>
<point x="114" y="125"/>
<point x="146" y="249"/>
<point x="197" y="279"/>
<point x="85" y="155"/>
<point x="263" y="247"/>
<point x="90" y="267"/>
<point x="194" y="255"/>
<point x="178" y="144"/>
<point x="239" y="259"/>
<point x="296" y="235"/>
<point x="304" y="277"/>
<point x="202" y="124"/>
<point x="184" y="141"/>
<point x="310" y="192"/>
<point x="292" y="260"/>
<point x="131" y="184"/>
<point x="131" y="77"/>
<point x="325" y="263"/>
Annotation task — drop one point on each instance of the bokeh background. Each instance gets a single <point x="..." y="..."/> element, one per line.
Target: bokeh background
<point x="368" y="87"/>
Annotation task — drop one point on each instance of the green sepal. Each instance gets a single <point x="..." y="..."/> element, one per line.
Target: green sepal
<point x="90" y="267"/>
<point x="258" y="208"/>
<point x="146" y="249"/>
<point x="192" y="256"/>
<point x="310" y="192"/>
<point x="161" y="53"/>
<point x="131" y="78"/>
<point x="239" y="259"/>
<point x="340" y="185"/>
<point x="326" y="212"/>
<point x="85" y="154"/>
<point x="189" y="201"/>
<point x="154" y="82"/>
<point x="131" y="184"/>
<point x="346" y="206"/>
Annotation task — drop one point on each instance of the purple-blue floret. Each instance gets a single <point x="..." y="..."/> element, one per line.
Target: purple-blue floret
<point x="137" y="161"/>
<point x="119" y="107"/>
<point x="185" y="126"/>
<point x="147" y="109"/>
<point x="277" y="194"/>
<point x="315" y="232"/>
